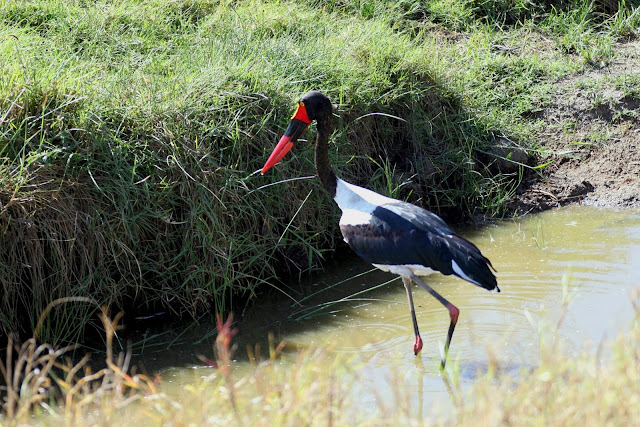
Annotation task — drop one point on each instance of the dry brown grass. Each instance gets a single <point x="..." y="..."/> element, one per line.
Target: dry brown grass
<point x="314" y="387"/>
<point x="38" y="379"/>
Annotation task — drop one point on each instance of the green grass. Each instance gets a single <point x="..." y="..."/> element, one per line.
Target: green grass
<point x="130" y="133"/>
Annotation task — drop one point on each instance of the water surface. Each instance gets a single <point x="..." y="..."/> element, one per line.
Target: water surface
<point x="565" y="275"/>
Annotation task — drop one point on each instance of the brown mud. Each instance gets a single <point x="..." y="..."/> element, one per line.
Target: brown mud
<point x="591" y="135"/>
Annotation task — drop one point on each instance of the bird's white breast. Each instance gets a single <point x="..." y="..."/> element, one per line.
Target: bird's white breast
<point x="350" y="197"/>
<point x="357" y="203"/>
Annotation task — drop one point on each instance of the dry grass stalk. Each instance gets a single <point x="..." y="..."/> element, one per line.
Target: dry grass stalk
<point x="39" y="377"/>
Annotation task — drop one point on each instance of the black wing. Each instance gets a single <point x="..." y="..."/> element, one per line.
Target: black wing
<point x="404" y="234"/>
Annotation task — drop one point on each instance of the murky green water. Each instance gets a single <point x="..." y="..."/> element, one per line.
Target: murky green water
<point x="594" y="252"/>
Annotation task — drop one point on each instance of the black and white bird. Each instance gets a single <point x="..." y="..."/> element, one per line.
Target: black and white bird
<point x="392" y="235"/>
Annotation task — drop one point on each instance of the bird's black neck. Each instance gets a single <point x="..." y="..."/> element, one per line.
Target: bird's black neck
<point x="323" y="167"/>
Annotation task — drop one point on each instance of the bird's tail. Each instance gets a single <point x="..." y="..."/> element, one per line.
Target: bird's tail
<point x="469" y="264"/>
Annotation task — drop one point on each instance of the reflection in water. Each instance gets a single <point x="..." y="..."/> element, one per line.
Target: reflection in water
<point x="589" y="254"/>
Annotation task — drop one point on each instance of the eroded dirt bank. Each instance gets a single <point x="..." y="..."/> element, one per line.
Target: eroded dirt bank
<point x="591" y="134"/>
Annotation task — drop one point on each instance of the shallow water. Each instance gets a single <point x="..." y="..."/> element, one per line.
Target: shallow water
<point x="586" y="257"/>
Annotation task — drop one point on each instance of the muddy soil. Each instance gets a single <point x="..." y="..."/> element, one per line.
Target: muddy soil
<point x="591" y="134"/>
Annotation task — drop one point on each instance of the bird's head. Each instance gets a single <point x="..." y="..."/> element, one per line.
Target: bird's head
<point x="312" y="106"/>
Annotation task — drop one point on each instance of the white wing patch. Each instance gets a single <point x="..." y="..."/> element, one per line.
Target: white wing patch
<point x="354" y="217"/>
<point x="459" y="272"/>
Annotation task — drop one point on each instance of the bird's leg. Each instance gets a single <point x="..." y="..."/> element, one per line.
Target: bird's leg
<point x="453" y="314"/>
<point x="417" y="346"/>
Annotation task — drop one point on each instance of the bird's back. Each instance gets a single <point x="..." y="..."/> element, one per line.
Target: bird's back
<point x="389" y="233"/>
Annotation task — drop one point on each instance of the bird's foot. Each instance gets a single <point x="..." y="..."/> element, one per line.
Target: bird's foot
<point x="417" y="346"/>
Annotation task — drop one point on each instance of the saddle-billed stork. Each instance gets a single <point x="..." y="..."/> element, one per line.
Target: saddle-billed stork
<point x="392" y="235"/>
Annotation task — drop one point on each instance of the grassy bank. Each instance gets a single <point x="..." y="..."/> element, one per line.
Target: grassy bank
<point x="130" y="133"/>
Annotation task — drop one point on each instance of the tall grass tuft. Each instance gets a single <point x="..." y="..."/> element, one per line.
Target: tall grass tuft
<point x="130" y="134"/>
